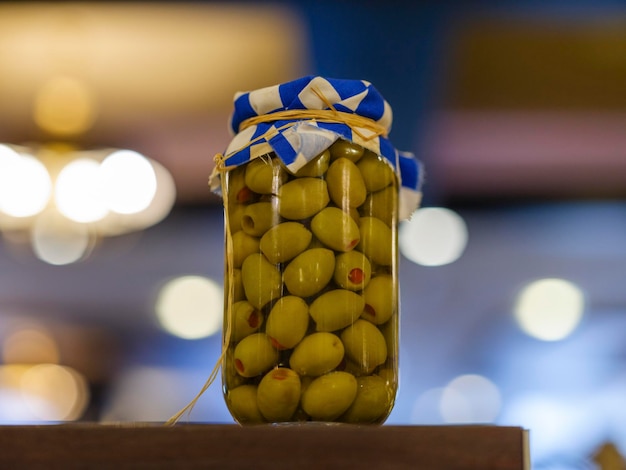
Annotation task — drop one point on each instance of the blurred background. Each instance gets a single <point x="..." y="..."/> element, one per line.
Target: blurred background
<point x="512" y="275"/>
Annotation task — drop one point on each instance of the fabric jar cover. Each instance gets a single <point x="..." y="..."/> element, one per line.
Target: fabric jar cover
<point x="354" y="111"/>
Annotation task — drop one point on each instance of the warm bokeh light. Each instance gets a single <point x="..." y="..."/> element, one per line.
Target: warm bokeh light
<point x="25" y="184"/>
<point x="58" y="241"/>
<point x="78" y="192"/>
<point x="470" y="399"/>
<point x="64" y="106"/>
<point x="30" y="345"/>
<point x="549" y="309"/>
<point x="129" y="181"/>
<point x="54" y="392"/>
<point x="41" y="393"/>
<point x="434" y="236"/>
<point x="190" y="307"/>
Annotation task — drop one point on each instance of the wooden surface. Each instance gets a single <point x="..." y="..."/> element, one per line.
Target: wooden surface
<point x="309" y="446"/>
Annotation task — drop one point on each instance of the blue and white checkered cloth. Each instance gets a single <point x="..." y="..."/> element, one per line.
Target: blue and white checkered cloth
<point x="296" y="141"/>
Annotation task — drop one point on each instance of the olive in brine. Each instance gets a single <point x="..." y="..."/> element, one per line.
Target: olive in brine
<point x="380" y="299"/>
<point x="284" y="241"/>
<point x="258" y="218"/>
<point x="238" y="191"/>
<point x="317" y="354"/>
<point x="265" y="175"/>
<point x="254" y="355"/>
<point x="287" y="322"/>
<point x="316" y="167"/>
<point x="243" y="245"/>
<point x="246" y="320"/>
<point x="345" y="149"/>
<point x="278" y="394"/>
<point x="377" y="173"/>
<point x="335" y="229"/>
<point x="364" y="344"/>
<point x="309" y="272"/>
<point x="302" y="198"/>
<point x="329" y="396"/>
<point x="372" y="402"/>
<point x="352" y="270"/>
<point x="382" y="205"/>
<point x="345" y="184"/>
<point x="376" y="241"/>
<point x="336" y="309"/>
<point x="242" y="403"/>
<point x="261" y="280"/>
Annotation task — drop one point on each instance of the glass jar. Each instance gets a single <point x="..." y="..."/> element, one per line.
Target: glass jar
<point x="311" y="269"/>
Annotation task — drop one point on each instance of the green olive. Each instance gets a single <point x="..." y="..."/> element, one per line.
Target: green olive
<point x="237" y="191"/>
<point x="316" y="167"/>
<point x="345" y="184"/>
<point x="380" y="299"/>
<point x="243" y="245"/>
<point x="278" y="394"/>
<point x="345" y="149"/>
<point x="382" y="204"/>
<point x="287" y="322"/>
<point x="262" y="281"/>
<point x="258" y="218"/>
<point x="335" y="229"/>
<point x="235" y="216"/>
<point x="352" y="270"/>
<point x="372" y="403"/>
<point x="242" y="404"/>
<point x="246" y="320"/>
<point x="317" y="354"/>
<point x="364" y="344"/>
<point x="309" y="272"/>
<point x="329" y="396"/>
<point x="376" y="241"/>
<point x="254" y="355"/>
<point x="265" y="175"/>
<point x="302" y="198"/>
<point x="336" y="309"/>
<point x="230" y="376"/>
<point x="376" y="171"/>
<point x="237" y="283"/>
<point x="284" y="241"/>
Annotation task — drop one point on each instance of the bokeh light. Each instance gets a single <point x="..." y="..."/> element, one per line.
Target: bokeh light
<point x="78" y="192"/>
<point x="190" y="307"/>
<point x="64" y="105"/>
<point x="25" y="184"/>
<point x="58" y="241"/>
<point x="470" y="398"/>
<point x="30" y="344"/>
<point x="434" y="236"/>
<point x="129" y="181"/>
<point x="549" y="309"/>
<point x="41" y="393"/>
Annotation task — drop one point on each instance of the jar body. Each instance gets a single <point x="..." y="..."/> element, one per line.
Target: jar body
<point x="311" y="289"/>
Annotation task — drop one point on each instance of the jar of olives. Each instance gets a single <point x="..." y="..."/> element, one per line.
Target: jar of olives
<point x="313" y="192"/>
